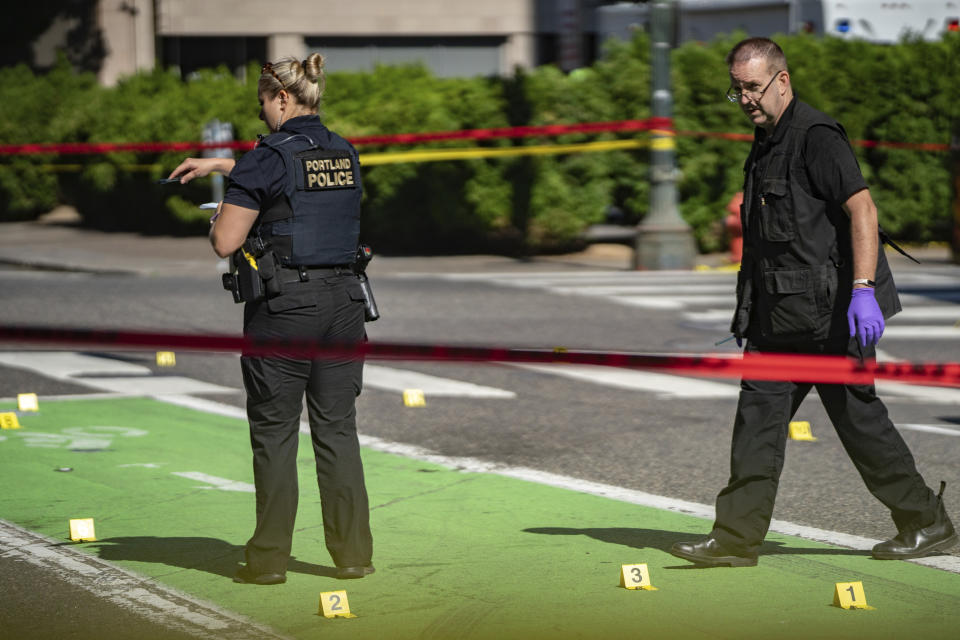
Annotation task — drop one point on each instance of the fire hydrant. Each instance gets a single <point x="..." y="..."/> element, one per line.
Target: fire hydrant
<point x="734" y="228"/>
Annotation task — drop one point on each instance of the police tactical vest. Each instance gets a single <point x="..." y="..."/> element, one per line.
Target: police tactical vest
<point x="317" y="220"/>
<point x="796" y="277"/>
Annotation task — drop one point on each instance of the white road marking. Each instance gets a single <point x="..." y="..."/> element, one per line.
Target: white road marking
<point x="92" y="438"/>
<point x="710" y="315"/>
<point x="922" y="332"/>
<point x="117" y="376"/>
<point x="919" y="393"/>
<point x="105" y="374"/>
<point x="665" y="385"/>
<point x="150" y="385"/>
<point x="666" y="274"/>
<point x="946" y="295"/>
<point x="630" y="289"/>
<point x="948" y="312"/>
<point x="65" y="365"/>
<point x="669" y="301"/>
<point x="139" y="594"/>
<point x="389" y="379"/>
<point x="929" y="428"/>
<point x="216" y="483"/>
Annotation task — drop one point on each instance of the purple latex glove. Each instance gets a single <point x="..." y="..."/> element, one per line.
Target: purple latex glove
<point x="864" y="316"/>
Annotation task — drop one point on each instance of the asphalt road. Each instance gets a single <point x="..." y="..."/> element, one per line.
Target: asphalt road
<point x="675" y="447"/>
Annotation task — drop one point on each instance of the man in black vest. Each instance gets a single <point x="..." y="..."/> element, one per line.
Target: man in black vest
<point x="813" y="281"/>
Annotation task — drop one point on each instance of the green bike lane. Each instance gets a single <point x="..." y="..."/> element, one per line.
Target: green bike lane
<point x="458" y="554"/>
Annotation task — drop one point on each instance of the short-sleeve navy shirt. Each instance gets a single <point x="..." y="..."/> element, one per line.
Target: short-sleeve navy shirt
<point x="259" y="176"/>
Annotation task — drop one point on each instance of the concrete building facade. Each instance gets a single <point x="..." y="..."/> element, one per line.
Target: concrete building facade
<point x="451" y="37"/>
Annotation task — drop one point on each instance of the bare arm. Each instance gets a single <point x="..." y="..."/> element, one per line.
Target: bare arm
<point x="230" y="228"/>
<point x="863" y="233"/>
<point x="199" y="167"/>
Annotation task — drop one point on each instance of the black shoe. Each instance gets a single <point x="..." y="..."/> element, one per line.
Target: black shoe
<point x="709" y="552"/>
<point x="350" y="573"/>
<point x="244" y="576"/>
<point x="916" y="543"/>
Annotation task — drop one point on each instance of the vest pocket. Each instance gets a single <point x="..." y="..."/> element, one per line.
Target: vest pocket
<point x="790" y="302"/>
<point x="776" y="211"/>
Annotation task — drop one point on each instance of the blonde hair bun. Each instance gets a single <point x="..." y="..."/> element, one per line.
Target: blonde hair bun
<point x="313" y="67"/>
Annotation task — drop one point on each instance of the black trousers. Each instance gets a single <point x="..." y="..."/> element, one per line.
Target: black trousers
<point x="745" y="506"/>
<point x="329" y="309"/>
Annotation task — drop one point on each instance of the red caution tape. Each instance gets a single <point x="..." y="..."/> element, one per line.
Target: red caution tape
<point x="663" y="124"/>
<point x="80" y="148"/>
<point x="519" y="132"/>
<point x="87" y="148"/>
<point x="797" y="368"/>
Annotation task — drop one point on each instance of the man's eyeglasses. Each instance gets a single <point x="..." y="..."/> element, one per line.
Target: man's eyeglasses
<point x="268" y="68"/>
<point x="735" y="94"/>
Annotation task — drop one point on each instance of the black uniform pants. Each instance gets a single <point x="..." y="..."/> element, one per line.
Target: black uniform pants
<point x="745" y="506"/>
<point x="329" y="309"/>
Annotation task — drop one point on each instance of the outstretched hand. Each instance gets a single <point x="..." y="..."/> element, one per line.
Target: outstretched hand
<point x="197" y="168"/>
<point x="864" y="317"/>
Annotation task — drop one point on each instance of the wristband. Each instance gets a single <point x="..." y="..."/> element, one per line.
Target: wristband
<point x="869" y="283"/>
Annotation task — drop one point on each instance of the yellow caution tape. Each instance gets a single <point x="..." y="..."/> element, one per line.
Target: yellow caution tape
<point x="436" y="155"/>
<point x="663" y="142"/>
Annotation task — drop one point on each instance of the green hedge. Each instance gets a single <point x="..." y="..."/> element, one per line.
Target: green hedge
<point x="905" y="92"/>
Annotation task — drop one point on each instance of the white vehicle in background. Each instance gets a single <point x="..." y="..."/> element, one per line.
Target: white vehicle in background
<point x="884" y="21"/>
<point x="881" y="21"/>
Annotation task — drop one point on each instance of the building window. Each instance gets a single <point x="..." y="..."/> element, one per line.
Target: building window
<point x="444" y="56"/>
<point x="188" y="53"/>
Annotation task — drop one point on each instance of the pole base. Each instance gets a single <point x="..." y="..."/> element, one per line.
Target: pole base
<point x="664" y="248"/>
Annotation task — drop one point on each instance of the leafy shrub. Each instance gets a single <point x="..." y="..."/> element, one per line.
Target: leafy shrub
<point x="905" y="92"/>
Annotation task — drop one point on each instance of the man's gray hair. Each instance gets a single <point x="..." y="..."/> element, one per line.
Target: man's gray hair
<point x="763" y="48"/>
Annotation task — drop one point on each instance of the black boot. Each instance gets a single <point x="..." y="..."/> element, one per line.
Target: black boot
<point x="916" y="543"/>
<point x="709" y="552"/>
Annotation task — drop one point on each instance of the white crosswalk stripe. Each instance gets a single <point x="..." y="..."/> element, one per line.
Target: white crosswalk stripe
<point x="664" y="385"/>
<point x="398" y="380"/>
<point x="702" y="299"/>
<point x="108" y="374"/>
<point x="931" y="299"/>
<point x="706" y="300"/>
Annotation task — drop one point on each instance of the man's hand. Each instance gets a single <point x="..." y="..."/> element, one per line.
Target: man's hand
<point x="864" y="317"/>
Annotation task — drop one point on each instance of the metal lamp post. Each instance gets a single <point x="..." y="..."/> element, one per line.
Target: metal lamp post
<point x="664" y="239"/>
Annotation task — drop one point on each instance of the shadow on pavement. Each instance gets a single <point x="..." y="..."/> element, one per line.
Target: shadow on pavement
<point x="663" y="540"/>
<point x="212" y="555"/>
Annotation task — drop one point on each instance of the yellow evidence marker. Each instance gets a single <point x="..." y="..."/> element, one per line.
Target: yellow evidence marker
<point x="636" y="576"/>
<point x="27" y="402"/>
<point x="801" y="431"/>
<point x="849" y="595"/>
<point x="81" y="530"/>
<point x="414" y="398"/>
<point x="9" y="420"/>
<point x="333" y="604"/>
<point x="166" y="359"/>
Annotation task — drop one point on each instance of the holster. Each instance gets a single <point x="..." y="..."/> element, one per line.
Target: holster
<point x="253" y="271"/>
<point x="359" y="267"/>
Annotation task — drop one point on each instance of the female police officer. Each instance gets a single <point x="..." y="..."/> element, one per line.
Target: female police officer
<point x="296" y="198"/>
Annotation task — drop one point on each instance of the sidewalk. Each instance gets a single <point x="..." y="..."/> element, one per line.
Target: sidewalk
<point x="57" y="242"/>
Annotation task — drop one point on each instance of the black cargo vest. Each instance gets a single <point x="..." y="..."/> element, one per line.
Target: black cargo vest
<point x="796" y="276"/>
<point x="317" y="220"/>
